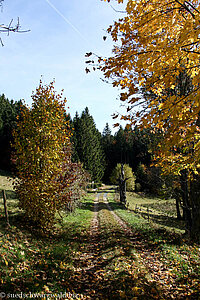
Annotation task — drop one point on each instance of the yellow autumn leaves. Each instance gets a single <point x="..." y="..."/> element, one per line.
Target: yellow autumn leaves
<point x="158" y="55"/>
<point x="42" y="152"/>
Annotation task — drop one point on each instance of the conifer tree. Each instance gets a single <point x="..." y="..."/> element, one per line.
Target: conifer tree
<point x="8" y="120"/>
<point x="107" y="140"/>
<point x="88" y="146"/>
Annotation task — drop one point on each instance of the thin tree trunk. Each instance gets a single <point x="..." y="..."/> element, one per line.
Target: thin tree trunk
<point x="195" y="200"/>
<point x="177" y="197"/>
<point x="122" y="186"/>
<point x="186" y="203"/>
<point x="5" y="207"/>
<point x="178" y="212"/>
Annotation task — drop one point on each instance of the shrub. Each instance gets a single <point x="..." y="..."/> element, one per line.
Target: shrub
<point x="47" y="178"/>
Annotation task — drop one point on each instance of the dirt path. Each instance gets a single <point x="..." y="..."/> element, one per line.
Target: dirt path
<point x="151" y="260"/>
<point x="118" y="263"/>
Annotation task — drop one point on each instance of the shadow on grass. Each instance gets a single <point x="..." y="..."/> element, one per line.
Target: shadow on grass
<point x="164" y="220"/>
<point x="161" y="219"/>
<point x="152" y="233"/>
<point x="9" y="194"/>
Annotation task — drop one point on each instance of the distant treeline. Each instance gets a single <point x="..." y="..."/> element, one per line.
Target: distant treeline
<point x="101" y="152"/>
<point x="98" y="152"/>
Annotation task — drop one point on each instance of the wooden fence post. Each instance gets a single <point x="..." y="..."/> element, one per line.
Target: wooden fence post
<point x="5" y="207"/>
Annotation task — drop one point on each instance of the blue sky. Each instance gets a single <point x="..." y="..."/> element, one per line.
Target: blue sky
<point x="61" y="33"/>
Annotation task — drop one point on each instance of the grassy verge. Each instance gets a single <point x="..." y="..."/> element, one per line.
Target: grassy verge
<point x="160" y="212"/>
<point x="31" y="263"/>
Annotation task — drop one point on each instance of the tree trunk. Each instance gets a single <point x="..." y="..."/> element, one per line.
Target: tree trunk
<point x="177" y="197"/>
<point x="178" y="212"/>
<point x="186" y="204"/>
<point x="195" y="200"/>
<point x="122" y="186"/>
<point x="5" y="208"/>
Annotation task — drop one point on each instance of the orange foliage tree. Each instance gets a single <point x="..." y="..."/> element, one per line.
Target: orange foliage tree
<point x="43" y="157"/>
<point x="155" y="43"/>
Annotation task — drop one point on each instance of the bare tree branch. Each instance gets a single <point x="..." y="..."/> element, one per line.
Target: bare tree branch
<point x="118" y="11"/>
<point x="9" y="28"/>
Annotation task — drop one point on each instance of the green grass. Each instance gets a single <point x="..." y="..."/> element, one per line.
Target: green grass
<point x="30" y="262"/>
<point x="167" y="207"/>
<point x="184" y="260"/>
<point x="6" y="181"/>
<point x="6" y="184"/>
<point x="157" y="226"/>
<point x="159" y="211"/>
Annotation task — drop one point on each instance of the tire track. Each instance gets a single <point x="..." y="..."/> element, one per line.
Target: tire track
<point x="94" y="228"/>
<point x="149" y="258"/>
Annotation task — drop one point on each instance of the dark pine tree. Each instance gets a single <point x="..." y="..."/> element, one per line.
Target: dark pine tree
<point x="87" y="145"/>
<point x="109" y="151"/>
<point x="9" y="110"/>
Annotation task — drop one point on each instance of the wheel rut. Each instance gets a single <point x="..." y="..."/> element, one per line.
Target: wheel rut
<point x="109" y="245"/>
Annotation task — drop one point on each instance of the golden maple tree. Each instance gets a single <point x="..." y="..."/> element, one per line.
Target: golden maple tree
<point x="47" y="179"/>
<point x="154" y="43"/>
